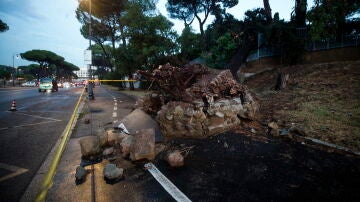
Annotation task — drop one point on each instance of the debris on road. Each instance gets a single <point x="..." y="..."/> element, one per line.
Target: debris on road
<point x="175" y="158"/>
<point x="143" y="145"/>
<point x="112" y="173"/>
<point x="80" y="175"/>
<point x="196" y="102"/>
<point x="90" y="147"/>
<point x="125" y="145"/>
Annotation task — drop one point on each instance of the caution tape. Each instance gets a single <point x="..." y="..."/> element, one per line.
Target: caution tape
<point x="115" y="80"/>
<point x="47" y="182"/>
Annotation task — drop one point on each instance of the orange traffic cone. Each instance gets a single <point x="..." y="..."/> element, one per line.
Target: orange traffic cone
<point x="13" y="106"/>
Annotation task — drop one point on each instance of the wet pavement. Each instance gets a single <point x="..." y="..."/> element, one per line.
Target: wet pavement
<point x="227" y="167"/>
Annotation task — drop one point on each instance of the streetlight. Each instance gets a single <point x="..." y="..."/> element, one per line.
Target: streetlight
<point x="13" y="60"/>
<point x="90" y="89"/>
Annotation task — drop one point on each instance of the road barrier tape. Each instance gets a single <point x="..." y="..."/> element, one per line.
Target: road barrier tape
<point x="166" y="183"/>
<point x="47" y="182"/>
<point x="115" y="80"/>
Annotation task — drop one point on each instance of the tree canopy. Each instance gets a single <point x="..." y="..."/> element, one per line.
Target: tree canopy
<point x="49" y="64"/>
<point x="188" y="10"/>
<point x="3" y="26"/>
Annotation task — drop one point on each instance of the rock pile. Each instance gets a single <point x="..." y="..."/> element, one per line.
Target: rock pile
<point x="195" y="102"/>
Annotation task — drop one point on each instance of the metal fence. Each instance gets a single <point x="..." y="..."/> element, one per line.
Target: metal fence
<point x="326" y="44"/>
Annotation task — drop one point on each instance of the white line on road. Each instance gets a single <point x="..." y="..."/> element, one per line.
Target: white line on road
<point x="30" y="124"/>
<point x="41" y="117"/>
<point x="166" y="183"/>
<point x="15" y="171"/>
<point x="115" y="108"/>
<point x="114" y="114"/>
<point x="7" y="91"/>
<point x="115" y="103"/>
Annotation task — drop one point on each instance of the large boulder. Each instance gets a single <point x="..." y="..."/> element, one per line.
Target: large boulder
<point x="90" y="147"/>
<point x="143" y="145"/>
<point x="138" y="120"/>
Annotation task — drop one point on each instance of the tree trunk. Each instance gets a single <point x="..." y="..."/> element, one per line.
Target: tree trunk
<point x="281" y="81"/>
<point x="241" y="55"/>
<point x="300" y="13"/>
<point x="131" y="84"/>
<point x="267" y="10"/>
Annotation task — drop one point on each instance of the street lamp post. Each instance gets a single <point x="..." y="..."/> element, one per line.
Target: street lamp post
<point x="13" y="60"/>
<point x="90" y="87"/>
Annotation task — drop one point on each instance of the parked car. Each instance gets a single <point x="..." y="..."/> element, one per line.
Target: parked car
<point x="48" y="84"/>
<point x="29" y="84"/>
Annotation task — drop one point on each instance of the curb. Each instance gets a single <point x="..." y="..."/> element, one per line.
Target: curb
<point x="32" y="191"/>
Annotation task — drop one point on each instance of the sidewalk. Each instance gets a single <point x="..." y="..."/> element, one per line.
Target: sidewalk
<point x="95" y="188"/>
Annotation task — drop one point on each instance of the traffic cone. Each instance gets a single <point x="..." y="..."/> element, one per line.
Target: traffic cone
<point x="13" y="106"/>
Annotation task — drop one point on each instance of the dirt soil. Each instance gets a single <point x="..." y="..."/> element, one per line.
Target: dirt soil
<point x="321" y="99"/>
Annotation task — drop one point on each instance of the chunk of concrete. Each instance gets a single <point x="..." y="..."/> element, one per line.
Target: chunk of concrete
<point x="114" y="137"/>
<point x="143" y="145"/>
<point x="126" y="144"/>
<point x="111" y="172"/>
<point x="175" y="159"/>
<point x="80" y="174"/>
<point x="90" y="146"/>
<point x="108" y="151"/>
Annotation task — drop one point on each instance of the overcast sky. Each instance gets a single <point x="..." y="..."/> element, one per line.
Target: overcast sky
<point x="52" y="25"/>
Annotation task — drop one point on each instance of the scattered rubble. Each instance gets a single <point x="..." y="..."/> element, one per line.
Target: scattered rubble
<point x="143" y="145"/>
<point x="175" y="158"/>
<point x="90" y="147"/>
<point x="125" y="145"/>
<point x="112" y="172"/>
<point x="108" y="151"/>
<point x="195" y="101"/>
<point x="274" y="129"/>
<point x="114" y="137"/>
<point x="80" y="175"/>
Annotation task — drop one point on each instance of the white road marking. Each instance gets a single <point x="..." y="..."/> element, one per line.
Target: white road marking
<point x="30" y="124"/>
<point x="6" y="91"/>
<point x="15" y="171"/>
<point x="41" y="117"/>
<point x="114" y="114"/>
<point x="166" y="183"/>
<point x="115" y="103"/>
<point x="115" y="108"/>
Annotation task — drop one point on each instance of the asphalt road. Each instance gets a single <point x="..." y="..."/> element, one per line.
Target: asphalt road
<point x="28" y="135"/>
